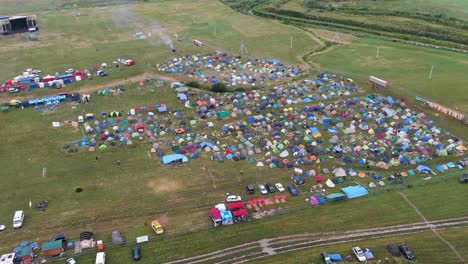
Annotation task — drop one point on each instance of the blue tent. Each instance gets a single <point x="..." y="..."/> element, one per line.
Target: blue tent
<point x="354" y="191"/>
<point x="424" y="169"/>
<point x="206" y="144"/>
<point x="335" y="257"/>
<point x="174" y="158"/>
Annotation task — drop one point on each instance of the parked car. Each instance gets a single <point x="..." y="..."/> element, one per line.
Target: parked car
<point x="233" y="198"/>
<point x="262" y="189"/>
<point x="270" y="187"/>
<point x="136" y="253"/>
<point x="359" y="254"/>
<point x="71" y="261"/>
<point x="292" y="190"/>
<point x="279" y="186"/>
<point x="13" y="90"/>
<point x="250" y="189"/>
<point x="298" y="180"/>
<point x="2" y="227"/>
<point x="464" y="178"/>
<point x="407" y="252"/>
<point x="157" y="227"/>
<point x="326" y="258"/>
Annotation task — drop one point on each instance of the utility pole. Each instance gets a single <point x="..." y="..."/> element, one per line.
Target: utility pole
<point x="378" y="52"/>
<point x="430" y="73"/>
<point x="336" y="38"/>
<point x="243" y="49"/>
<point x="291" y="41"/>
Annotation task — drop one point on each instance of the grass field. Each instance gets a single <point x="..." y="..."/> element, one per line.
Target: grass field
<point x="101" y="35"/>
<point x="129" y="196"/>
<point x="406" y="67"/>
<point x="422" y="245"/>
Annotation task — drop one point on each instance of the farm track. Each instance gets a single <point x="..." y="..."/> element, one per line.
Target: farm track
<point x="279" y="245"/>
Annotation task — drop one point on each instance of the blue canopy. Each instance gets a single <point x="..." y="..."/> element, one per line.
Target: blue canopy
<point x="355" y="191"/>
<point x="206" y="144"/>
<point x="335" y="257"/>
<point x="174" y="158"/>
<point x="422" y="168"/>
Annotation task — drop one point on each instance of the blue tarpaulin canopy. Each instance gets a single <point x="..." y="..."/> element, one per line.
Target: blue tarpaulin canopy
<point x="174" y="158"/>
<point x="335" y="257"/>
<point x="355" y="191"/>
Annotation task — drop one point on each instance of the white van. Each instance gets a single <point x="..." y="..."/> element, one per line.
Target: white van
<point x="101" y="258"/>
<point x="18" y="219"/>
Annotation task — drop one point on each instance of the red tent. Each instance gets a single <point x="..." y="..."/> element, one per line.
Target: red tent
<point x="236" y="205"/>
<point x="240" y="212"/>
<point x="215" y="213"/>
<point x="318" y="178"/>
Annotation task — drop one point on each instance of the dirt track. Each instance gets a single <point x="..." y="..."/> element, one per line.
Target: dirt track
<point x="268" y="247"/>
<point x="87" y="88"/>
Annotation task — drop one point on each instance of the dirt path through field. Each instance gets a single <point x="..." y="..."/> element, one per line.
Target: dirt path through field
<point x="88" y="88"/>
<point x="268" y="247"/>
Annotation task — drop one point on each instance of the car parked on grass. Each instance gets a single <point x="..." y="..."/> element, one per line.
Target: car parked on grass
<point x="262" y="189"/>
<point x="407" y="252"/>
<point x="270" y="187"/>
<point x="250" y="189"/>
<point x="2" y="227"/>
<point x="359" y="254"/>
<point x="136" y="253"/>
<point x="279" y="186"/>
<point x="233" y="198"/>
<point x="13" y="90"/>
<point x="464" y="178"/>
<point x="157" y="227"/>
<point x="326" y="258"/>
<point x="292" y="190"/>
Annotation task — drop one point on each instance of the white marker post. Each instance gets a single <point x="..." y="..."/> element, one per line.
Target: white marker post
<point x="291" y="41"/>
<point x="378" y="52"/>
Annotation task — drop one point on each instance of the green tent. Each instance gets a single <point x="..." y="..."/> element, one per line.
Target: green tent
<point x="102" y="147"/>
<point x="5" y="108"/>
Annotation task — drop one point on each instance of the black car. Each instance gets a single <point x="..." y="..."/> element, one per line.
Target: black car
<point x="464" y="179"/>
<point x="250" y="189"/>
<point x="270" y="187"/>
<point x="136" y="253"/>
<point x="407" y="252"/>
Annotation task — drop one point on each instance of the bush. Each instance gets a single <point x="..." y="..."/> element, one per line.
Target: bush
<point x="193" y="84"/>
<point x="219" y="88"/>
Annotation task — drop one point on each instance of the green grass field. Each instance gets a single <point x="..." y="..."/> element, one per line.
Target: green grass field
<point x="99" y="36"/>
<point x="407" y="67"/>
<point x="422" y="244"/>
<point x="126" y="197"/>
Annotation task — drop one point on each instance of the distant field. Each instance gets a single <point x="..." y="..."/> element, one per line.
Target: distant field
<point x="406" y="67"/>
<point x="101" y="34"/>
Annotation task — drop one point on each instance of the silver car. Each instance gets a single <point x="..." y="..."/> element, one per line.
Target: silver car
<point x="262" y="189"/>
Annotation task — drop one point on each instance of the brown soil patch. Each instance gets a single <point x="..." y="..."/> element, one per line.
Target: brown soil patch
<point x="164" y="185"/>
<point x="164" y="220"/>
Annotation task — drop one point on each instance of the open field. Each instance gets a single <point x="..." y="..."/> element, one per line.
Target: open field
<point x="102" y="34"/>
<point x="127" y="197"/>
<point x="422" y="244"/>
<point x="404" y="24"/>
<point x="406" y="67"/>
